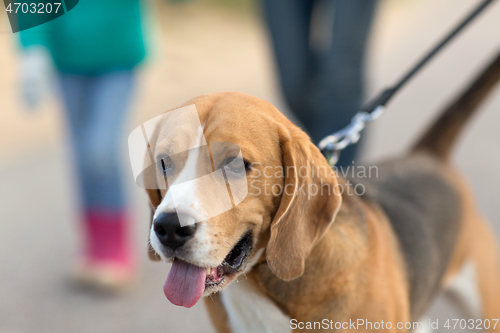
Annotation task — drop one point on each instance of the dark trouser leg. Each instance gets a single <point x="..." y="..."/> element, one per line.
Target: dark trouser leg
<point x="289" y="23"/>
<point x="338" y="90"/>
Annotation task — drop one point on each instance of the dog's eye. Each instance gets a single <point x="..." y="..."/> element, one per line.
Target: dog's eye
<point x="237" y="165"/>
<point x="248" y="166"/>
<point x="166" y="165"/>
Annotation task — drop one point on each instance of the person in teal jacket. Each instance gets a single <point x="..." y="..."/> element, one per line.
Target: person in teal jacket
<point x="95" y="49"/>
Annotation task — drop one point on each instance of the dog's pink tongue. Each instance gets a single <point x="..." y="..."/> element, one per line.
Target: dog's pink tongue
<point x="185" y="283"/>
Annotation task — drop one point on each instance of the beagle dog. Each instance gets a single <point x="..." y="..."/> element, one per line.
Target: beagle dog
<point x="307" y="246"/>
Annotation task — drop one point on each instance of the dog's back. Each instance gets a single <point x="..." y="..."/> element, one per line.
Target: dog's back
<point x="422" y="198"/>
<point x="422" y="207"/>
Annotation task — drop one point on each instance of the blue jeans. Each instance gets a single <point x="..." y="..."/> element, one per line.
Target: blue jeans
<point x="323" y="87"/>
<point x="96" y="108"/>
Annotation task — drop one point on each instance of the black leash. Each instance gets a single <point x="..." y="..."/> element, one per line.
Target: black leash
<point x="334" y="143"/>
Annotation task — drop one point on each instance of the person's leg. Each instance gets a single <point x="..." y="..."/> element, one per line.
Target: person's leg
<point x="289" y="23"/>
<point x="96" y="129"/>
<point x="73" y="93"/>
<point x="108" y="105"/>
<point x="107" y="223"/>
<point x="339" y="85"/>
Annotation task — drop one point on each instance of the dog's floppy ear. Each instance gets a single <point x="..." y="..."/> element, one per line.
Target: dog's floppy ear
<point x="309" y="204"/>
<point x="155" y="198"/>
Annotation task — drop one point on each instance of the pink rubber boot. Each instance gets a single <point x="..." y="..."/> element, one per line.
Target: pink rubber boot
<point x="107" y="259"/>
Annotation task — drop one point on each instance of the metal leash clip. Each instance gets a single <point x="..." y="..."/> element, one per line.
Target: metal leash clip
<point x="334" y="143"/>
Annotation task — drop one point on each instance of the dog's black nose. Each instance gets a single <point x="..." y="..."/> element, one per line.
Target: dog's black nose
<point x="169" y="231"/>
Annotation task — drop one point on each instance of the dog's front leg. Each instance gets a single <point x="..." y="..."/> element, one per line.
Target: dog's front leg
<point x="217" y="313"/>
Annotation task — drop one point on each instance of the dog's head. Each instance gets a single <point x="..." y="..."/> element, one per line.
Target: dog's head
<point x="291" y="200"/>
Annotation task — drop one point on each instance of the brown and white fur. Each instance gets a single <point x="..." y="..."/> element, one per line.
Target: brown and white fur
<point x="383" y="255"/>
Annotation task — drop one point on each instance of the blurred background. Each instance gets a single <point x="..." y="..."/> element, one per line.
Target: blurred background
<point x="199" y="47"/>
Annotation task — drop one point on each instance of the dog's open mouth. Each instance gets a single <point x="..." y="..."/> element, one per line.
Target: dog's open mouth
<point x="186" y="283"/>
<point x="232" y="263"/>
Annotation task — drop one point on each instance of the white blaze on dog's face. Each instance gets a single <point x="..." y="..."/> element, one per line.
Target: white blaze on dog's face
<point x="213" y="248"/>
